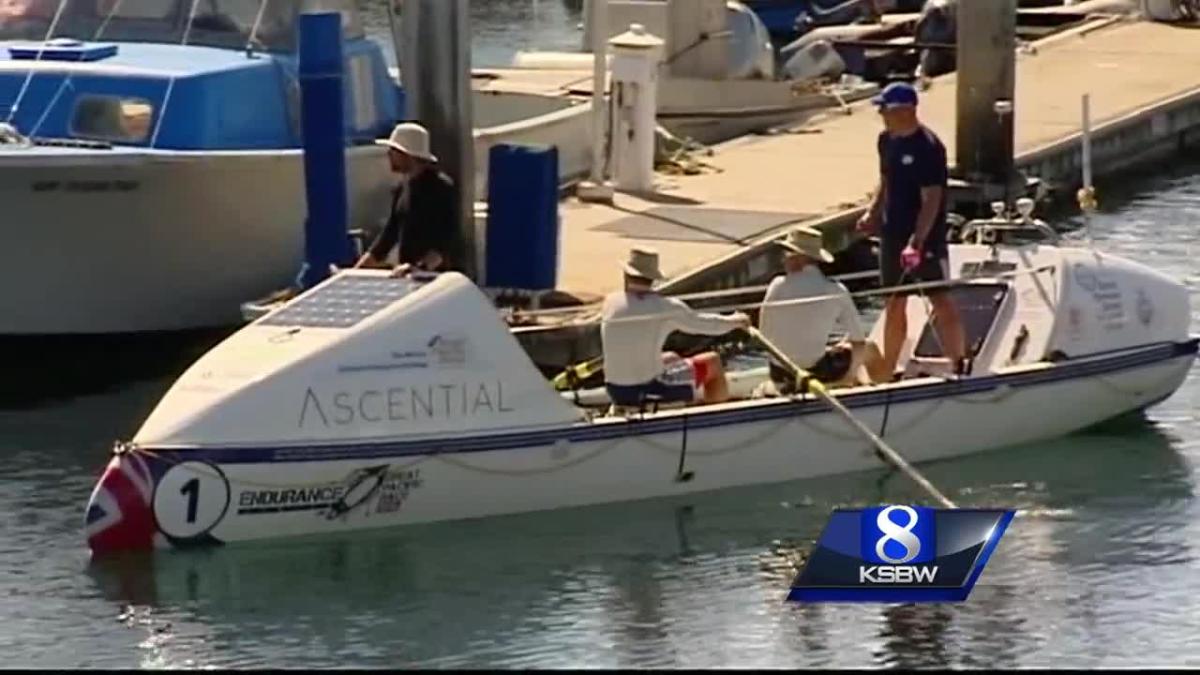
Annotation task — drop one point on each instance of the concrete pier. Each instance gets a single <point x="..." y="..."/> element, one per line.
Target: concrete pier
<point x="1145" y="101"/>
<point x="713" y="230"/>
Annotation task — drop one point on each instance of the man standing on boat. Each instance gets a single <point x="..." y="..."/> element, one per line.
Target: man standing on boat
<point x="423" y="206"/>
<point x="635" y="324"/>
<point x="800" y="310"/>
<point x="909" y="213"/>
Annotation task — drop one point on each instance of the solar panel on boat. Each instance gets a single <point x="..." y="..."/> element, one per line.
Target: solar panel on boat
<point x="342" y="303"/>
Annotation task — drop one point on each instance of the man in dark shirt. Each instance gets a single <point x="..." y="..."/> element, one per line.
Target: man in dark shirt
<point x="909" y="213"/>
<point x="422" y="219"/>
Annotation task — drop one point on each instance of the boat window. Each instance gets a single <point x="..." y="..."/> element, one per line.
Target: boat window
<point x="216" y="23"/>
<point x="978" y="305"/>
<point x="111" y="118"/>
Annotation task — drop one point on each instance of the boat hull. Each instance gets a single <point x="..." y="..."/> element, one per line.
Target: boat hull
<point x="174" y="497"/>
<point x="207" y="232"/>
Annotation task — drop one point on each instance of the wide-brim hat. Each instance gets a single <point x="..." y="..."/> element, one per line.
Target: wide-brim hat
<point x="411" y="139"/>
<point x="643" y="263"/>
<point x="806" y="241"/>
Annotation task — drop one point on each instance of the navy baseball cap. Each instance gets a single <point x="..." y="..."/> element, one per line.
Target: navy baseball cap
<point x="895" y="95"/>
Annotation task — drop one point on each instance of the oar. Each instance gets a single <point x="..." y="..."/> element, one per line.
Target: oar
<point x="882" y="449"/>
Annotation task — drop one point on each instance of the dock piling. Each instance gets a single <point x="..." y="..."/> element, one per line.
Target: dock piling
<point x="986" y="55"/>
<point x="323" y="126"/>
<point x="436" y="72"/>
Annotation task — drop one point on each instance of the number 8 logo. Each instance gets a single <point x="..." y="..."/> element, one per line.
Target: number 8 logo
<point x="190" y="499"/>
<point x="901" y="535"/>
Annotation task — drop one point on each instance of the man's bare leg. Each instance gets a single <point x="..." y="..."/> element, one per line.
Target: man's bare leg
<point x="895" y="331"/>
<point x="948" y="323"/>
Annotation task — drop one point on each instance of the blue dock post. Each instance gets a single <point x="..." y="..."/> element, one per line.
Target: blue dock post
<point x="522" y="223"/>
<point x="322" y="112"/>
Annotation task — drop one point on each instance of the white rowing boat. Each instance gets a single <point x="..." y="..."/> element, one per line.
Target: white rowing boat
<point x="372" y="402"/>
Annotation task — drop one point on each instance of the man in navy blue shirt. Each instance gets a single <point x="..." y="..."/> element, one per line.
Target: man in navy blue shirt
<point x="909" y="213"/>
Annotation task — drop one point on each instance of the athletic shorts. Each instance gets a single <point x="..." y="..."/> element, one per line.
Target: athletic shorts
<point x="677" y="384"/>
<point x="832" y="367"/>
<point x="933" y="267"/>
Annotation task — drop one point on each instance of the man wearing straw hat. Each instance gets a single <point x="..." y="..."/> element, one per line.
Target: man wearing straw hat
<point x="635" y="324"/>
<point x="800" y="310"/>
<point x="423" y="208"/>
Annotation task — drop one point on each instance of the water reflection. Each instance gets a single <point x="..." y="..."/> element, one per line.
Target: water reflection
<point x="915" y="636"/>
<point x="43" y="371"/>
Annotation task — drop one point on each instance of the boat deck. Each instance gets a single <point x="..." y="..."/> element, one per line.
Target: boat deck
<point x="754" y="186"/>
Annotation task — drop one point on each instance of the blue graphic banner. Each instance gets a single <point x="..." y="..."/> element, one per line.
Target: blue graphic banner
<point x="900" y="554"/>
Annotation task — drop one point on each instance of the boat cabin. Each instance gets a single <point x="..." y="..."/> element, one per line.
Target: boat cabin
<point x="177" y="74"/>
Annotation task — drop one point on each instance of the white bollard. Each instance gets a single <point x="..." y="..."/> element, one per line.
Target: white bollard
<point x="635" y="64"/>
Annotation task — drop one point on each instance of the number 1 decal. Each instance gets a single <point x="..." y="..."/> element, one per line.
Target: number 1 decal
<point x="192" y="490"/>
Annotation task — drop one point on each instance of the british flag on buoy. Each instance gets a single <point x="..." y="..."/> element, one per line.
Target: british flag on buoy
<point x="119" y="516"/>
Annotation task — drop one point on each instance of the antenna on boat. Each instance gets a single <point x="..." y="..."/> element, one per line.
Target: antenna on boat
<point x="882" y="449"/>
<point x="1087" y="194"/>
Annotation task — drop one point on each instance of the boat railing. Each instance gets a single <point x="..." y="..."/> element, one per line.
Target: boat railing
<point x="1004" y="227"/>
<point x="590" y="313"/>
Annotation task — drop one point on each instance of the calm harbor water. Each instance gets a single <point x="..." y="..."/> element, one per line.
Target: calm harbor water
<point x="500" y="28"/>
<point x="1100" y="568"/>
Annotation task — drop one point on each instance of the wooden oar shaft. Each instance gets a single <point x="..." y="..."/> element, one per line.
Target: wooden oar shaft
<point x="884" y="450"/>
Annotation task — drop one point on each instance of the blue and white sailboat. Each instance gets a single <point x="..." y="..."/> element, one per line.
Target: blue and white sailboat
<point x="150" y="164"/>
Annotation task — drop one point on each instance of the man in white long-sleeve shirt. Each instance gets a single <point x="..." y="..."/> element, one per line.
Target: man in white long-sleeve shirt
<point x="634" y="327"/>
<point x="800" y="310"/>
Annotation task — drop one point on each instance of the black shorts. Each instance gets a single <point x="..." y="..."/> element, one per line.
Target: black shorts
<point x="831" y="367"/>
<point x="934" y="267"/>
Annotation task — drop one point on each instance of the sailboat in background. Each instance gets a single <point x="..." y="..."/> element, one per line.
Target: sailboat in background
<point x="151" y="164"/>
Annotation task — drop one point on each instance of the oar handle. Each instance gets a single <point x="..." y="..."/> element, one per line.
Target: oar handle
<point x="884" y="450"/>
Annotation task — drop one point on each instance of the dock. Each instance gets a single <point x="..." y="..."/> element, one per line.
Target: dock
<point x="714" y="230"/>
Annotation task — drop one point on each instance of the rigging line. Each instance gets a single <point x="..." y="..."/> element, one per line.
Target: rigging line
<point x="66" y="83"/>
<point x="62" y="4"/>
<point x="162" y="114"/>
<point x="262" y="11"/>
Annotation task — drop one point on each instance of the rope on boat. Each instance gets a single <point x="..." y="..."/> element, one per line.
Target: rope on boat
<point x="253" y="36"/>
<point x="162" y="114"/>
<point x="883" y="450"/>
<point x="771" y="432"/>
<point x="449" y="459"/>
<point x="67" y="80"/>
<point x="12" y="112"/>
<point x="1127" y="392"/>
<point x="201" y="470"/>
